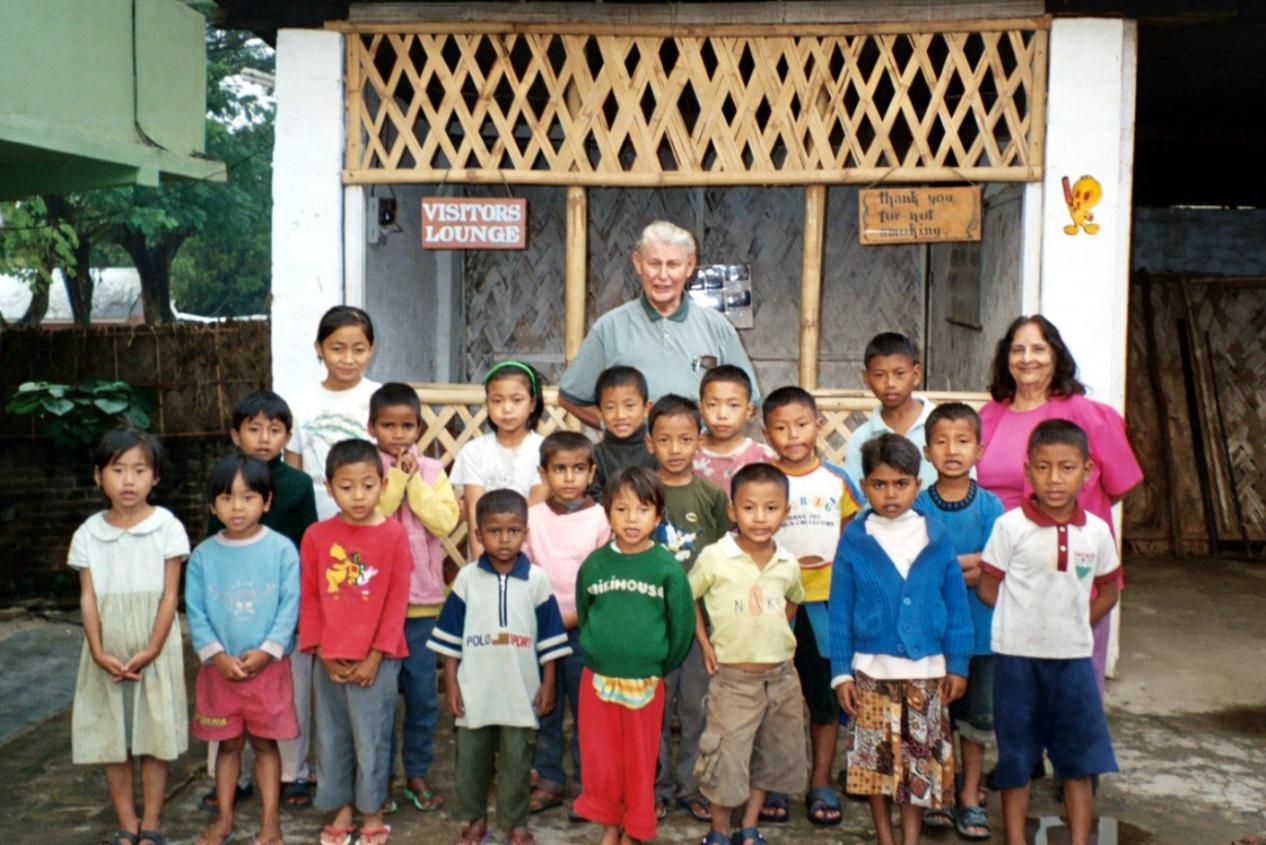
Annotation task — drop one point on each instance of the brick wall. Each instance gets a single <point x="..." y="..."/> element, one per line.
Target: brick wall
<point x="47" y="492"/>
<point x="196" y="372"/>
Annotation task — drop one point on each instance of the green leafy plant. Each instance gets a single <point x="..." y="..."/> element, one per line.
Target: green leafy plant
<point x="76" y="415"/>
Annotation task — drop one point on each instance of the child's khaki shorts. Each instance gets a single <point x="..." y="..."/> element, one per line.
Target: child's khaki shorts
<point x="754" y="737"/>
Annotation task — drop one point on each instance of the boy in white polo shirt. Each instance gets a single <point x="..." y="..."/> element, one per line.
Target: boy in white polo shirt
<point x="750" y="587"/>
<point x="1038" y="570"/>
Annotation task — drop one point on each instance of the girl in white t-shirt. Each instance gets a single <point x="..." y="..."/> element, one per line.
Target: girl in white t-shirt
<point x="508" y="457"/>
<point x="338" y="408"/>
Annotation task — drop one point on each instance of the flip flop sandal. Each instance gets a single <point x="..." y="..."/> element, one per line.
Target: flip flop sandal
<point x="331" y="835"/>
<point x="819" y="799"/>
<point x="778" y="801"/>
<point x="153" y="836"/>
<point x="297" y="795"/>
<point x="712" y="837"/>
<point x="748" y="834"/>
<point x="374" y="835"/>
<point x="119" y="837"/>
<point x="938" y="818"/>
<point x="691" y="804"/>
<point x="474" y="833"/>
<point x="544" y="799"/>
<point x="426" y="801"/>
<point x="968" y="817"/>
<point x="521" y="836"/>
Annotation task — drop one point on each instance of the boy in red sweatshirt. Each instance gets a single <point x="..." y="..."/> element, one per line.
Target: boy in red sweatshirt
<point x="355" y="570"/>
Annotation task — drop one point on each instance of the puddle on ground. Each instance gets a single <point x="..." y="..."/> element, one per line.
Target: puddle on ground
<point x="1240" y="720"/>
<point x="1050" y="830"/>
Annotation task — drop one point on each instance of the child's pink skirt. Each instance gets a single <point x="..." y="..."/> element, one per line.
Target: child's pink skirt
<point x="262" y="706"/>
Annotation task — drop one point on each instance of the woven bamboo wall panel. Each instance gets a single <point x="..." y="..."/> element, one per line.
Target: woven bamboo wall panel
<point x="514" y="298"/>
<point x="454" y="414"/>
<point x="697" y="109"/>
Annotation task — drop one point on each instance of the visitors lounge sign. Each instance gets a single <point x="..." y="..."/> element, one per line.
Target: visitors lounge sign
<point x="474" y="223"/>
<point x="918" y="215"/>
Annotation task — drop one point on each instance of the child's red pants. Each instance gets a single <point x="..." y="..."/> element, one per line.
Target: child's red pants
<point x="618" y="750"/>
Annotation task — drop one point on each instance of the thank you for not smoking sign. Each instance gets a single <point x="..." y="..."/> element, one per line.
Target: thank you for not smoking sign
<point x="918" y="215"/>
<point x="474" y="223"/>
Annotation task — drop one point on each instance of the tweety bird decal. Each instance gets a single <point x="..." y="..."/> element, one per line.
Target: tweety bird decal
<point x="1081" y="196"/>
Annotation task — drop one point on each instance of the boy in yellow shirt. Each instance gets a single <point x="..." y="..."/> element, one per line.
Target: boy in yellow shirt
<point x="750" y="587"/>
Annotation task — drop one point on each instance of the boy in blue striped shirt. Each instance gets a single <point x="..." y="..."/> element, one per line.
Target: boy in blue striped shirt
<point x="500" y="620"/>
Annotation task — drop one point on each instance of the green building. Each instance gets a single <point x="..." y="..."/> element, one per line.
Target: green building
<point x="97" y="93"/>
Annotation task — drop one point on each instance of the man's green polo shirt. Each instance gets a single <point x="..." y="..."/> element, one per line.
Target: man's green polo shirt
<point x="673" y="352"/>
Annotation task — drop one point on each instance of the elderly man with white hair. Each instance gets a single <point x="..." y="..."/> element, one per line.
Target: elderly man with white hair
<point x="671" y="340"/>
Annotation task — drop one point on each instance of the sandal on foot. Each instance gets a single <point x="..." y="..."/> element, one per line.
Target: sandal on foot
<point x="474" y="833"/>
<point x="748" y="834"/>
<point x="712" y="837"/>
<point x="697" y="806"/>
<point x="426" y="801"/>
<point x="521" y="836"/>
<point x="775" y="809"/>
<point x="208" y="803"/>
<point x="938" y="818"/>
<point x="374" y="835"/>
<point x="297" y="795"/>
<point x="967" y="818"/>
<point x="120" y="837"/>
<point x="331" y="835"/>
<point x="544" y="799"/>
<point x="821" y="800"/>
<point x="152" y="836"/>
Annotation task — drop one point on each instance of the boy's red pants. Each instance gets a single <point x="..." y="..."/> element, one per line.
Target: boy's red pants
<point x="618" y="750"/>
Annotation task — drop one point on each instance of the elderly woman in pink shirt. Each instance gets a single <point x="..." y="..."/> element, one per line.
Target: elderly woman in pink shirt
<point x="1035" y="379"/>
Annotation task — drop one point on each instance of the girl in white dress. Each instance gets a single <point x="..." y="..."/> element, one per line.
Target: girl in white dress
<point x="130" y="692"/>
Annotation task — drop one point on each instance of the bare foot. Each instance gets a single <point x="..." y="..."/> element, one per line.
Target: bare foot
<point x="610" y="835"/>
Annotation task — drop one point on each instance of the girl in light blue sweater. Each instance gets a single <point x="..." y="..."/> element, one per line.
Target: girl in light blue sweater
<point x="901" y="639"/>
<point x="242" y="603"/>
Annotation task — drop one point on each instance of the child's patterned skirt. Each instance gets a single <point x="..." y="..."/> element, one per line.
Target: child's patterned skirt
<point x="899" y="744"/>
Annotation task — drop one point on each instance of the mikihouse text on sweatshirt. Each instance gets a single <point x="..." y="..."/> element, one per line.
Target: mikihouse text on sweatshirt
<point x="636" y="612"/>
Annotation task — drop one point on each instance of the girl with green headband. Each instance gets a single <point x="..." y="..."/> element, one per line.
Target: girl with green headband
<point x="508" y="457"/>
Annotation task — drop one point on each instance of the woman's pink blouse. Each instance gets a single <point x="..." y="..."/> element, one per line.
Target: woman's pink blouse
<point x="1005" y="436"/>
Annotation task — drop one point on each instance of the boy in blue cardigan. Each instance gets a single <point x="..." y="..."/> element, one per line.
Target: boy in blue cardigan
<point x="901" y="639"/>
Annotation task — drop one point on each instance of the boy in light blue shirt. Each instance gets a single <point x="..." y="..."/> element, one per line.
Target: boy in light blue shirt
<point x="891" y="372"/>
<point x="967" y="513"/>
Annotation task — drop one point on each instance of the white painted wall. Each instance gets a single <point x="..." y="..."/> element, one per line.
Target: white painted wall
<point x="307" y="222"/>
<point x="1090" y="130"/>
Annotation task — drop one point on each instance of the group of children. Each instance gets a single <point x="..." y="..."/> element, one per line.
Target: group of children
<point x="674" y="576"/>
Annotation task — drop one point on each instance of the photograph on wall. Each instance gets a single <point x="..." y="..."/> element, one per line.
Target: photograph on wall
<point x="727" y="288"/>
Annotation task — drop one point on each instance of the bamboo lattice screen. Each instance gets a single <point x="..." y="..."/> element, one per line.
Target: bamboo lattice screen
<point x="481" y="104"/>
<point x="454" y="414"/>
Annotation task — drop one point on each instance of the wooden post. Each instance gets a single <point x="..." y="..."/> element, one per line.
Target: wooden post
<point x="577" y="270"/>
<point x="811" y="283"/>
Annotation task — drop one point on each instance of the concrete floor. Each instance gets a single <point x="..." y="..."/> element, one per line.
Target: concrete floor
<point x="1187" y="712"/>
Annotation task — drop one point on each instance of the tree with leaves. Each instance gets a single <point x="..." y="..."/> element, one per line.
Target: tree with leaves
<point x="223" y="228"/>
